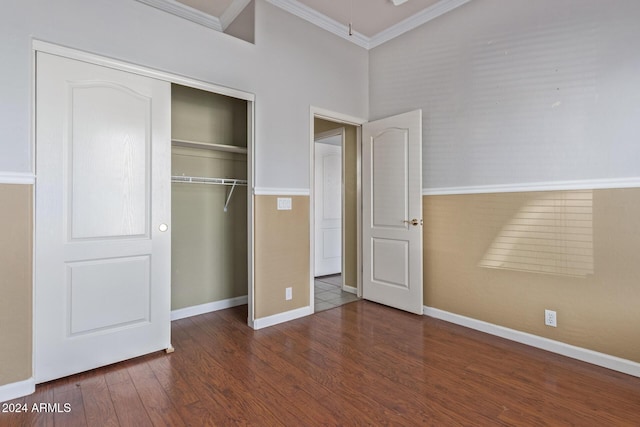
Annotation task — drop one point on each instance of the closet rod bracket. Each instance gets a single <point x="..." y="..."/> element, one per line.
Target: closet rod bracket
<point x="233" y="187"/>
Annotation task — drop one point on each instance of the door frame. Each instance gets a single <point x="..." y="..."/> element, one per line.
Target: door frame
<point x="51" y="48"/>
<point x="332" y="116"/>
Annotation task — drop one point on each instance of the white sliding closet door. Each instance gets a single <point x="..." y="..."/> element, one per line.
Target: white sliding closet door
<point x="102" y="214"/>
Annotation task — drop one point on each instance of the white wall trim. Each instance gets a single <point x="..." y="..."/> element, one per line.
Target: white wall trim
<point x="16" y="390"/>
<point x="316" y="18"/>
<point x="183" y="11"/>
<point x="209" y="307"/>
<point x="332" y="116"/>
<point x="415" y="21"/>
<point x="272" y="191"/>
<point x="287" y="316"/>
<point x="231" y="12"/>
<point x="17" y="178"/>
<point x="587" y="184"/>
<point x="607" y="361"/>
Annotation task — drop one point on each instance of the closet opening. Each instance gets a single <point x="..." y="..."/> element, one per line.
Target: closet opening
<point x="210" y="201"/>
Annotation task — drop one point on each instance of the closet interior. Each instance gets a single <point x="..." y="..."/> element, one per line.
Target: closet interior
<point x="209" y="260"/>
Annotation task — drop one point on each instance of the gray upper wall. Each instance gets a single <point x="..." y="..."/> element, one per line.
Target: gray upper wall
<point x="292" y="65"/>
<point x="519" y="91"/>
<point x="512" y="91"/>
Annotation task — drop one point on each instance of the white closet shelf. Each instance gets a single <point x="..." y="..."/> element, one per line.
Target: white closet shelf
<point x="209" y="146"/>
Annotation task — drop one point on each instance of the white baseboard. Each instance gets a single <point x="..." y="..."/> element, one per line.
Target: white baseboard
<point x="16" y="390"/>
<point x="579" y="353"/>
<point x="209" y="307"/>
<point x="350" y="289"/>
<point x="281" y="317"/>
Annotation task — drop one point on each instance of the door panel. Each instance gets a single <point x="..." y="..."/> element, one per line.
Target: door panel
<point x="390" y="261"/>
<point x="102" y="277"/>
<point x="108" y="294"/>
<point x="392" y="198"/>
<point x="109" y="177"/>
<point x="390" y="157"/>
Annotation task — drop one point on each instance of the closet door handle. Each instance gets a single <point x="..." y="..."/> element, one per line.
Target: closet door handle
<point x="163" y="227"/>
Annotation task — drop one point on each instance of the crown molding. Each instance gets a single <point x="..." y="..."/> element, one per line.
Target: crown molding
<point x="231" y="13"/>
<point x="414" y="21"/>
<point x="313" y="16"/>
<point x="183" y="11"/>
<point x="310" y="15"/>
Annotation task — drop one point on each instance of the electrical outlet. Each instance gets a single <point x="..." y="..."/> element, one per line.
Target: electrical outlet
<point x="288" y="293"/>
<point x="550" y="318"/>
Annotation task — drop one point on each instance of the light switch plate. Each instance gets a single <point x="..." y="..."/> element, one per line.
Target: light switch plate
<point x="284" y="203"/>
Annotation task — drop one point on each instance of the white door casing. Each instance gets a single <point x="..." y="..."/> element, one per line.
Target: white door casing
<point x="328" y="206"/>
<point x="102" y="263"/>
<point x="392" y="211"/>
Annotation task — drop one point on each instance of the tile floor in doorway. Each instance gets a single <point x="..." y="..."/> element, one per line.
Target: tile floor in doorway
<point x="329" y="293"/>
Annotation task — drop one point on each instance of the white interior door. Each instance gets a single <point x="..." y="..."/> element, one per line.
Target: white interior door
<point x="328" y="206"/>
<point x="103" y="251"/>
<point x="392" y="211"/>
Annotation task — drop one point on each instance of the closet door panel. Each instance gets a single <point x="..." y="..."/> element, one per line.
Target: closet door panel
<point x="109" y="176"/>
<point x="108" y="294"/>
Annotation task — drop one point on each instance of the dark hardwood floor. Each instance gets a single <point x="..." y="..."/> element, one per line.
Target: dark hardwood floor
<point x="359" y="364"/>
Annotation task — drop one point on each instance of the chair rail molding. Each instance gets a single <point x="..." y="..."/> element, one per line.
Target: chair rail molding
<point x="17" y="178"/>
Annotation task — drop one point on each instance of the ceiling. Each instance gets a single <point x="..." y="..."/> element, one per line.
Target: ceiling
<point x="374" y="21"/>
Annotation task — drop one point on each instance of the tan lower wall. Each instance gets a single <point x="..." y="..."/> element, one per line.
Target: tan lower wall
<point x="282" y="250"/>
<point x="16" y="235"/>
<point x="505" y="258"/>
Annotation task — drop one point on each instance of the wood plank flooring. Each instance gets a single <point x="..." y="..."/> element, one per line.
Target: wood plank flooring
<point x="359" y="364"/>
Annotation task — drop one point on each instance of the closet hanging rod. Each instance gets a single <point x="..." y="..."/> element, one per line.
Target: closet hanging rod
<point x="208" y="180"/>
<point x="216" y="181"/>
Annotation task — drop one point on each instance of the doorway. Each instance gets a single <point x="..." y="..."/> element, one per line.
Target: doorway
<point x="388" y="225"/>
<point x="335" y="180"/>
